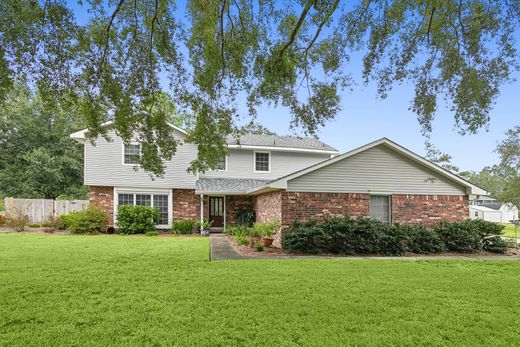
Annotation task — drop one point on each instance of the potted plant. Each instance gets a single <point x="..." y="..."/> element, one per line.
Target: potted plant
<point x="266" y="231"/>
<point x="204" y="227"/>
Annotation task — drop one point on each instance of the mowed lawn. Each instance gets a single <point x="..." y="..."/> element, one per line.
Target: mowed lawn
<point x="509" y="230"/>
<point x="115" y="290"/>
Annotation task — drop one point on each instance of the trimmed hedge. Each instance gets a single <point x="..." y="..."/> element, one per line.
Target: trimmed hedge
<point x="136" y="219"/>
<point x="366" y="236"/>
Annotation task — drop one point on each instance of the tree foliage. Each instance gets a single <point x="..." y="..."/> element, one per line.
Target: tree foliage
<point x="114" y="63"/>
<point x="37" y="157"/>
<point x="434" y="155"/>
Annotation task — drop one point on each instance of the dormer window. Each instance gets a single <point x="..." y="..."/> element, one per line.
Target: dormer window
<point x="131" y="154"/>
<point x="262" y="161"/>
<point x="221" y="164"/>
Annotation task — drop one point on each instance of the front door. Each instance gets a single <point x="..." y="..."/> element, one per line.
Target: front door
<point x="216" y="211"/>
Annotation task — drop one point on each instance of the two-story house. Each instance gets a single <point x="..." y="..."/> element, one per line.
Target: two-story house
<point x="280" y="177"/>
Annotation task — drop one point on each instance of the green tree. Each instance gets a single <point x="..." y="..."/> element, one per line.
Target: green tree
<point x="37" y="157"/>
<point x="291" y="53"/>
<point x="486" y="178"/>
<point x="434" y="155"/>
<point x="255" y="128"/>
<point x="509" y="166"/>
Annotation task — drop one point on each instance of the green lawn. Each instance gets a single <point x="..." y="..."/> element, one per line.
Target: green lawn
<point x="116" y="290"/>
<point x="509" y="230"/>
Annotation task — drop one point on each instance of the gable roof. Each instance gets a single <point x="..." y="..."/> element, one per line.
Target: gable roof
<point x="81" y="135"/>
<point x="275" y="142"/>
<point x="281" y="183"/>
<point x="492" y="205"/>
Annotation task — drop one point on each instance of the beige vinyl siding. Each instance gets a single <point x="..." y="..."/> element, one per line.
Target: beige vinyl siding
<point x="104" y="166"/>
<point x="376" y="170"/>
<point x="240" y="164"/>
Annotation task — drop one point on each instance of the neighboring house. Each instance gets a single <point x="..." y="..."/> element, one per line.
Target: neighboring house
<point x="285" y="178"/>
<point x="494" y="212"/>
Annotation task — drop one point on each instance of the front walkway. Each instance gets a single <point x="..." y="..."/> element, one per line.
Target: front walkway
<point x="221" y="249"/>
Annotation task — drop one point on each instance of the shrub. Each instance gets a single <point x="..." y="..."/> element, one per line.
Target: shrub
<point x="2" y="219"/>
<point x="52" y="222"/>
<point x="237" y="231"/>
<point x="64" y="220"/>
<point x="241" y="240"/>
<point x="245" y="218"/>
<point x="17" y="221"/>
<point x="305" y="237"/>
<point x="460" y="236"/>
<point x="267" y="229"/>
<point x="91" y="220"/>
<point x="34" y="225"/>
<point x="204" y="225"/>
<point x="419" y="239"/>
<point x="495" y="244"/>
<point x="259" y="247"/>
<point x="152" y="233"/>
<point x="136" y="219"/>
<point x="183" y="226"/>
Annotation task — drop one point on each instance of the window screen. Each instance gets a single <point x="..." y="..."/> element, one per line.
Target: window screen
<point x="125" y="199"/>
<point x="160" y="202"/>
<point x="262" y="162"/>
<point x="221" y="165"/>
<point x="131" y="154"/>
<point x="143" y="200"/>
<point x="380" y="208"/>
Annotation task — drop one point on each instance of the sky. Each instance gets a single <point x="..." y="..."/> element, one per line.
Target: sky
<point x="364" y="118"/>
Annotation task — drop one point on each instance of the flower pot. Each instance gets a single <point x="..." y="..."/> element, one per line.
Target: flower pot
<point x="267" y="241"/>
<point x="204" y="232"/>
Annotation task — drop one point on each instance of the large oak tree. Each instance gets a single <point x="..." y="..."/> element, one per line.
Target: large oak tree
<point x="112" y="63"/>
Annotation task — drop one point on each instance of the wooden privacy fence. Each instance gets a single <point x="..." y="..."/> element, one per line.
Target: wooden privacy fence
<point x="40" y="210"/>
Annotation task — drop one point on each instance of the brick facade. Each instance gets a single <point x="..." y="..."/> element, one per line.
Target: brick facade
<point x="320" y="206"/>
<point x="235" y="203"/>
<point x="268" y="207"/>
<point x="186" y="205"/>
<point x="429" y="209"/>
<point x="104" y="198"/>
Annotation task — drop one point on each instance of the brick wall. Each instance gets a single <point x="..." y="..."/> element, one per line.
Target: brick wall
<point x="319" y="206"/>
<point x="429" y="209"/>
<point x="104" y="198"/>
<point x="235" y="203"/>
<point x="186" y="205"/>
<point x="268" y="207"/>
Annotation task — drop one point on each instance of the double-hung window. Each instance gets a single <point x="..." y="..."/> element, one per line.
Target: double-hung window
<point x="380" y="208"/>
<point x="221" y="164"/>
<point x="262" y="161"/>
<point x="131" y="154"/>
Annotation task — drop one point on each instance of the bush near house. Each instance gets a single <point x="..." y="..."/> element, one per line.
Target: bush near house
<point x="136" y="219"/>
<point x="267" y="229"/>
<point x="91" y="220"/>
<point x="183" y="226"/>
<point x="245" y="218"/>
<point x="366" y="236"/>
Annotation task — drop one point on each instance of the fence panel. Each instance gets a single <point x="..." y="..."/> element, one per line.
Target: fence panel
<point x="40" y="210"/>
<point x="67" y="206"/>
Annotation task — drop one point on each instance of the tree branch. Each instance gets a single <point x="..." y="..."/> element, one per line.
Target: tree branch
<point x="112" y="18"/>
<point x="322" y="24"/>
<point x="296" y="28"/>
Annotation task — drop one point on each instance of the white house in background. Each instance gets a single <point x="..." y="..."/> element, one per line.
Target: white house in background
<point x="494" y="212"/>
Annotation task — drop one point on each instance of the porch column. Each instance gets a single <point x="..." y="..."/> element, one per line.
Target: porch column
<point x="201" y="209"/>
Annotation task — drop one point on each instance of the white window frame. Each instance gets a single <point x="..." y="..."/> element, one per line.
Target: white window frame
<point x="269" y="161"/>
<point x="134" y="143"/>
<point x="225" y="163"/>
<point x="150" y="191"/>
<point x="389" y="197"/>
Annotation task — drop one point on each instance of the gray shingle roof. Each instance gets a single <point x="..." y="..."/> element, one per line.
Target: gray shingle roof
<point x="492" y="205"/>
<point x="279" y="141"/>
<point x="227" y="185"/>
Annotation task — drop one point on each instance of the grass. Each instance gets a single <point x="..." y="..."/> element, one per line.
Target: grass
<point x="509" y="230"/>
<point x="116" y="290"/>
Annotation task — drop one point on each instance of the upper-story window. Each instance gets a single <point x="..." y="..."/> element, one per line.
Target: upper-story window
<point x="131" y="154"/>
<point x="221" y="164"/>
<point x="262" y="161"/>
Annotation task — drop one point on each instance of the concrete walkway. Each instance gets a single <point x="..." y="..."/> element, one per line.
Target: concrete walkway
<point x="221" y="249"/>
